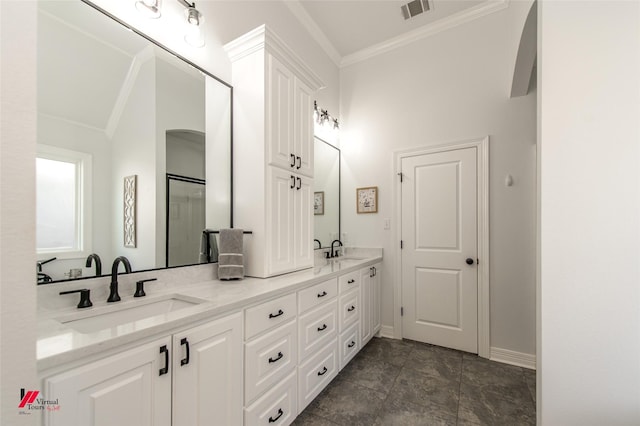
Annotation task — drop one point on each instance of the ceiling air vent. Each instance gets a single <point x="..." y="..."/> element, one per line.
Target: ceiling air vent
<point x="414" y="8"/>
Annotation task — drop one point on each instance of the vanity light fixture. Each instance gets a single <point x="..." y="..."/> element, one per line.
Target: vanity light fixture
<point x="150" y="8"/>
<point x="194" y="31"/>
<point x="322" y="116"/>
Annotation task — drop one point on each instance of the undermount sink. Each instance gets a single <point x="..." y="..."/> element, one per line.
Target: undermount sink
<point x="134" y="314"/>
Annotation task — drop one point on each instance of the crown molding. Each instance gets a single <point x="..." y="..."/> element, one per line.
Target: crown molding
<point x="464" y="16"/>
<point x="314" y="30"/>
<point x="263" y="38"/>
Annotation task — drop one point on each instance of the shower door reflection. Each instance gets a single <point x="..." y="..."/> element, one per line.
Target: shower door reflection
<point x="185" y="219"/>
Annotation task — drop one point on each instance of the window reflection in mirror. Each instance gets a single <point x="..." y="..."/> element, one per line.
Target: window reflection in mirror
<point x="106" y="92"/>
<point x="326" y="192"/>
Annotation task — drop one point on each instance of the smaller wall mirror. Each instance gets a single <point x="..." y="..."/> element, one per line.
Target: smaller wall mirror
<point x="326" y="200"/>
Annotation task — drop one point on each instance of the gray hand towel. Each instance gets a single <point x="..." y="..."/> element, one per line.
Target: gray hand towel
<point x="230" y="258"/>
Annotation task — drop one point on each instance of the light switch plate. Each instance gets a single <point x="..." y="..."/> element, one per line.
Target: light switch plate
<point x="387" y="223"/>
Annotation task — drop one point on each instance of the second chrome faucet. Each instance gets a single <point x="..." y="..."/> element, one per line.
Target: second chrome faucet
<point x="113" y="287"/>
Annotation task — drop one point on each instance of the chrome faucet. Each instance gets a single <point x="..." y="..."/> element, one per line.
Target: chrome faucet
<point x="334" y="253"/>
<point x="96" y="258"/>
<point x="113" y="287"/>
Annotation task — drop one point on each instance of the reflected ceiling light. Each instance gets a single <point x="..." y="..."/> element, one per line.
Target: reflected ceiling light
<point x="149" y="8"/>
<point x="194" y="30"/>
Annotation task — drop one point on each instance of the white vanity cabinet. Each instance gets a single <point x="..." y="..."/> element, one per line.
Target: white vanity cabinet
<point x="318" y="326"/>
<point x="207" y="372"/>
<point x="189" y="378"/>
<point x="130" y="388"/>
<point x="289" y="214"/>
<point x="289" y="130"/>
<point x="370" y="296"/>
<point x="273" y="152"/>
<point x="351" y="305"/>
<point x="271" y="358"/>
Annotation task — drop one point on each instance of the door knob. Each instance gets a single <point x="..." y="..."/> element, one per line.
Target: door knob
<point x="469" y="261"/>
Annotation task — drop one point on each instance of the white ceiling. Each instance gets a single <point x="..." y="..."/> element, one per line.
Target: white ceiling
<point x="351" y="31"/>
<point x="352" y="25"/>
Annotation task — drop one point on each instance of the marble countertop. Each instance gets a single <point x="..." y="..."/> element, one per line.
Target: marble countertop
<point x="59" y="343"/>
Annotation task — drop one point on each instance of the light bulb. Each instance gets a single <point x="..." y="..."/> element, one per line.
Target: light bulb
<point x="194" y="31"/>
<point x="150" y="8"/>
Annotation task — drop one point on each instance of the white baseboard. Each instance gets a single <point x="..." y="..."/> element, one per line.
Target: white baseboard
<point x="387" y="331"/>
<point x="512" y="357"/>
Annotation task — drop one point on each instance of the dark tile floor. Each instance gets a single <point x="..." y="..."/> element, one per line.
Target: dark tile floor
<point x="401" y="382"/>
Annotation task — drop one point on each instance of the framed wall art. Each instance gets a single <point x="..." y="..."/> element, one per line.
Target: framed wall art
<point x="318" y="203"/>
<point x="367" y="199"/>
<point x="130" y="211"/>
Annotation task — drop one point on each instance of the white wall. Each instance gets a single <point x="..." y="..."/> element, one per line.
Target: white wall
<point x="451" y="86"/>
<point x="134" y="146"/>
<point x="589" y="314"/>
<point x="17" y="207"/>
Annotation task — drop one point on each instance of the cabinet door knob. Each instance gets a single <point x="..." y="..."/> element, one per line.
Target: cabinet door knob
<point x="185" y="360"/>
<point x="275" y="419"/>
<point x="165" y="369"/>
<point x="276" y="359"/>
<point x="280" y="312"/>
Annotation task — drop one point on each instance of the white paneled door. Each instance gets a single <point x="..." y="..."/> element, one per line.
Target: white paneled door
<point x="439" y="255"/>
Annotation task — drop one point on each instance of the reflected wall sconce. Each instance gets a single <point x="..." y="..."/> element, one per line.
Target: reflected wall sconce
<point x="150" y="8"/>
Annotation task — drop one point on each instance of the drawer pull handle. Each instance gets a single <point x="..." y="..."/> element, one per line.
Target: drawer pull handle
<point x="280" y="312"/>
<point x="324" y="327"/>
<point x="165" y="369"/>
<point x="351" y="281"/>
<point x="275" y="419"/>
<point x="352" y="344"/>
<point x="185" y="360"/>
<point x="323" y="294"/>
<point x="321" y="373"/>
<point x="278" y="358"/>
<point x="351" y="309"/>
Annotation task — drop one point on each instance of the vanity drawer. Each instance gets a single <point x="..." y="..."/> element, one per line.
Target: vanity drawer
<point x="316" y="295"/>
<point x="315" y="374"/>
<point x="348" y="344"/>
<point x="349" y="281"/>
<point x="316" y="328"/>
<point x="269" y="314"/>
<point x="278" y="407"/>
<point x="349" y="309"/>
<point x="269" y="358"/>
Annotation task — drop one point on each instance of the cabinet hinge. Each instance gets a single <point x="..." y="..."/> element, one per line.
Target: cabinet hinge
<point x="401" y="311"/>
<point x="401" y="244"/>
<point x="401" y="177"/>
<point x="478" y="261"/>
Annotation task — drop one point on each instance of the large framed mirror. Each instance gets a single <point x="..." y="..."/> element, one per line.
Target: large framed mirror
<point x="326" y="187"/>
<point x="134" y="147"/>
